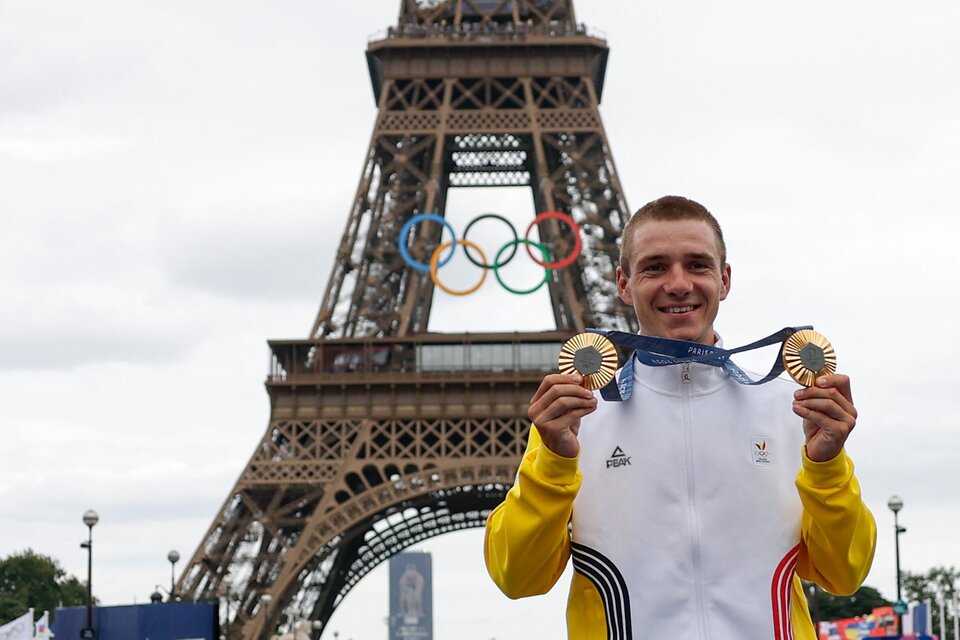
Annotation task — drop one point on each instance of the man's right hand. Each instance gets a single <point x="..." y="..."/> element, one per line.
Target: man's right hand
<point x="556" y="409"/>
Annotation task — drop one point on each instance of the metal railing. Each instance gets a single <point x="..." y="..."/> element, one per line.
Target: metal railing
<point x="504" y="31"/>
<point x="423" y="355"/>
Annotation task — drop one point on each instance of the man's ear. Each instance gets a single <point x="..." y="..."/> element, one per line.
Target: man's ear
<point x="725" y="281"/>
<point x="622" y="289"/>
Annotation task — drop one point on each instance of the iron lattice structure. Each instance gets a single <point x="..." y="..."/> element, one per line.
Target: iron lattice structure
<point x="382" y="434"/>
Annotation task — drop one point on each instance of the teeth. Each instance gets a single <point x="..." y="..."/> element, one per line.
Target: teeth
<point x="678" y="309"/>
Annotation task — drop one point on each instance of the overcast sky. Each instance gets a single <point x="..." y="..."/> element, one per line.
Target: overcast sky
<point x="175" y="176"/>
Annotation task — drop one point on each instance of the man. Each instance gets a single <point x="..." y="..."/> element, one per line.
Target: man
<point x="683" y="507"/>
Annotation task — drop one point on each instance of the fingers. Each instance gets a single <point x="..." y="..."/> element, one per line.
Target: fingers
<point x="829" y="416"/>
<point x="837" y="382"/>
<point x="829" y="409"/>
<point x="554" y="379"/>
<point x="556" y="408"/>
<point x="826" y="418"/>
<point x="835" y="389"/>
<point x="557" y="395"/>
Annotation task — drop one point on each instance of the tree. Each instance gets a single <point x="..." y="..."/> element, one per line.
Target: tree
<point x="29" y="579"/>
<point x="826" y="606"/>
<point x="938" y="585"/>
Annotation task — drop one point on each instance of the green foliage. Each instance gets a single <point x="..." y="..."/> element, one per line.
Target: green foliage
<point x="938" y="585"/>
<point x="29" y="579"/>
<point x="826" y="606"/>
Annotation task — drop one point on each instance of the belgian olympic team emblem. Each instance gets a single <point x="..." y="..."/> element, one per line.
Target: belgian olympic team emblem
<point x="499" y="260"/>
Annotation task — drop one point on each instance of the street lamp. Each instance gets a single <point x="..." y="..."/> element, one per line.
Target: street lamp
<point x="173" y="556"/>
<point x="895" y="503"/>
<point x="90" y="518"/>
<point x="812" y="603"/>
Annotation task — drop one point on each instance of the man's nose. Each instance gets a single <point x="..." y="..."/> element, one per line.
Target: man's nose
<point x="678" y="281"/>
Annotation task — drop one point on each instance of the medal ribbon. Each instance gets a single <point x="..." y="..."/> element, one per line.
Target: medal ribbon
<point x="661" y="352"/>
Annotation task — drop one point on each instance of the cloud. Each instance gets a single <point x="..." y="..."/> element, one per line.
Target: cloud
<point x="268" y="252"/>
<point x="70" y="323"/>
<point x="176" y="177"/>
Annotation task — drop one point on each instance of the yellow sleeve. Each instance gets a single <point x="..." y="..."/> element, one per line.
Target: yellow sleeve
<point x="838" y="531"/>
<point x="527" y="539"/>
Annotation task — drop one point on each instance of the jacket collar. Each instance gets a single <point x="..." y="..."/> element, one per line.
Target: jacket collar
<point x="693" y="378"/>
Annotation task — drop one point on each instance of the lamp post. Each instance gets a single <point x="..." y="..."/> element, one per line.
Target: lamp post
<point x="173" y="556"/>
<point x="895" y="503"/>
<point x="812" y="603"/>
<point x="90" y="518"/>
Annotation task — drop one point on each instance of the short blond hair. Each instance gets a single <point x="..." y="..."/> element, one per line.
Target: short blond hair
<point x="669" y="208"/>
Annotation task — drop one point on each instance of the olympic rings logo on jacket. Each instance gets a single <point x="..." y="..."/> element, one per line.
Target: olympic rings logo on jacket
<point x="511" y="245"/>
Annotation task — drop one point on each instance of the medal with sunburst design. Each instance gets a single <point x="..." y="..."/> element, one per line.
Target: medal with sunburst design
<point x="807" y="355"/>
<point x="590" y="355"/>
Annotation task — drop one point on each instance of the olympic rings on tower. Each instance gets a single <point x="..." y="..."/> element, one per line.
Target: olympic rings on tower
<point x="436" y="256"/>
<point x="546" y="274"/>
<point x="496" y="263"/>
<point x="403" y="239"/>
<point x="560" y="264"/>
<point x="436" y="263"/>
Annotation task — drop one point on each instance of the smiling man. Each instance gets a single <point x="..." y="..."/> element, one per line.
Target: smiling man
<point x="693" y="509"/>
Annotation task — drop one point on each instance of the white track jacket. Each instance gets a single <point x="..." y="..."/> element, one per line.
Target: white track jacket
<point x="689" y="517"/>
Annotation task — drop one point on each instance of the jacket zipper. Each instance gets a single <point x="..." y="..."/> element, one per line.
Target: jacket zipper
<point x="692" y="512"/>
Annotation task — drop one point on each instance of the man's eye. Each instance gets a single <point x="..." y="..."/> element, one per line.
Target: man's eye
<point x="653" y="268"/>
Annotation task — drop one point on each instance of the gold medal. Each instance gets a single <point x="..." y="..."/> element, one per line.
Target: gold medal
<point x="807" y="355"/>
<point x="590" y="355"/>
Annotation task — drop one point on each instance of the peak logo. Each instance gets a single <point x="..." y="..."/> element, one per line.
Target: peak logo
<point x="762" y="451"/>
<point x="618" y="459"/>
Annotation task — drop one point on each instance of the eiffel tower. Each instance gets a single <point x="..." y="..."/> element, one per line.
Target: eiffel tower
<point x="383" y="434"/>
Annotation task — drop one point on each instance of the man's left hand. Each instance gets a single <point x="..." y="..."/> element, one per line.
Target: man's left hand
<point x="828" y="416"/>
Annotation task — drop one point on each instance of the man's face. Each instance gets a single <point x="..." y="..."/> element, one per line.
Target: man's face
<point x="676" y="279"/>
